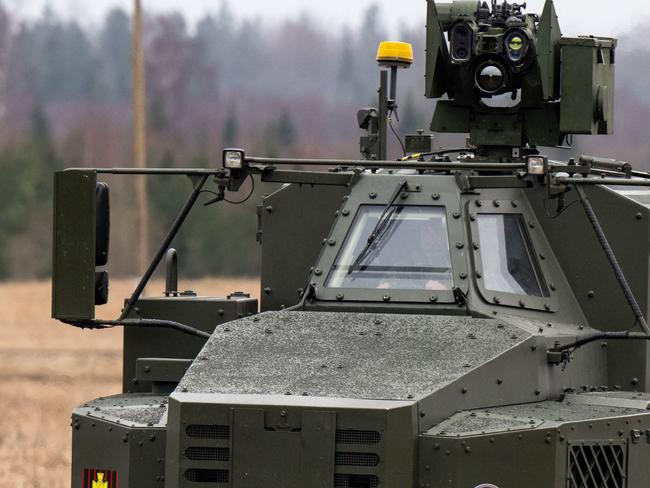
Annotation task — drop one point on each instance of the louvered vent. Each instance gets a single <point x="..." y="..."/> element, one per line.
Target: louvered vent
<point x="364" y="437"/>
<point x="357" y="459"/>
<point x="212" y="455"/>
<point x="597" y="465"/>
<point x="207" y="454"/>
<point x="215" y="432"/>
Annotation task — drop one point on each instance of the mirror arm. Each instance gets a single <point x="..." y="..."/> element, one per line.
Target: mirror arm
<point x="162" y="250"/>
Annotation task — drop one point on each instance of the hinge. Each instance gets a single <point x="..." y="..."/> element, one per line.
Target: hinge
<point x="258" y="234"/>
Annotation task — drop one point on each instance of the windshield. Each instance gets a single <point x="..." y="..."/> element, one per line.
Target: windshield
<point x="410" y="253"/>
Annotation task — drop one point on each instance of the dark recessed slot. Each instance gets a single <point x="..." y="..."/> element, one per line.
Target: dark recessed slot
<point x="356" y="481"/>
<point x="207" y="475"/>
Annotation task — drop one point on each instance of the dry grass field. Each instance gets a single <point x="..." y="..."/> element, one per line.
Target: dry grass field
<point x="47" y="368"/>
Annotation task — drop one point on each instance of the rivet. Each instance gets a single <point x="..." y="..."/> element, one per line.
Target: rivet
<point x="345" y="212"/>
<point x="476" y="246"/>
<point x="591" y="294"/>
<point x="542" y="256"/>
<point x="547" y="307"/>
<point x="515" y="203"/>
<point x="522" y="304"/>
<point x="635" y="381"/>
<point x="499" y="381"/>
<point x="496" y="300"/>
<point x="433" y="299"/>
<point x="538" y="392"/>
<point x="531" y="225"/>
<point x="478" y="203"/>
<point x="435" y="196"/>
<point x="456" y="215"/>
<point x="552" y="286"/>
<point x="404" y="195"/>
<point x="269" y="209"/>
<point x="332" y="242"/>
<point x="147" y="369"/>
<point x="479" y="275"/>
<point x="372" y="195"/>
<point x="318" y="271"/>
<point x="268" y="290"/>
<point x="460" y="245"/>
<point x="464" y="391"/>
<point x="496" y="203"/>
<point x="339" y="296"/>
<point x="463" y="275"/>
<point x="386" y="298"/>
<point x="639" y="216"/>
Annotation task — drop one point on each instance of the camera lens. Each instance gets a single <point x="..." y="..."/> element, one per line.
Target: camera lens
<point x="490" y="78"/>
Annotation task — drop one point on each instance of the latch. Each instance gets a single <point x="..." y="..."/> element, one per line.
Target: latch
<point x="636" y="436"/>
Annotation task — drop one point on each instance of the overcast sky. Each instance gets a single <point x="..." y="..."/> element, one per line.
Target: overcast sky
<point x="603" y="17"/>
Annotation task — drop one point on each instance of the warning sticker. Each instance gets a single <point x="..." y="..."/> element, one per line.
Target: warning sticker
<point x="99" y="478"/>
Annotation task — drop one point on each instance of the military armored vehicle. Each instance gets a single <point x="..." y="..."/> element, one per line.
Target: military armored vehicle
<point x="472" y="317"/>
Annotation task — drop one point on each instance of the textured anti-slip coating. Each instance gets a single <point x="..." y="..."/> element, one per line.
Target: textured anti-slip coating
<point x="138" y="410"/>
<point x="534" y="415"/>
<point x="345" y="355"/>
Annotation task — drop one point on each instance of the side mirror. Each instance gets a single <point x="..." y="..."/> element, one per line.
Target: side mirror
<point x="81" y="244"/>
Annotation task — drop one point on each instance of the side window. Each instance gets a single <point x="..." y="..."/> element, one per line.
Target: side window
<point x="508" y="257"/>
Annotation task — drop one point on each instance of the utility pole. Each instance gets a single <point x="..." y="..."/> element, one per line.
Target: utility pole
<point x="140" y="140"/>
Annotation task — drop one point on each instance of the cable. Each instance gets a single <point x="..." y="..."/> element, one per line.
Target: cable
<point x="611" y="257"/>
<point x="399" y="139"/>
<point x="247" y="198"/>
<point x="438" y="153"/>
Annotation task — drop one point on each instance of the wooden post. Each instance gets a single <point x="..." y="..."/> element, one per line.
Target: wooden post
<point x="140" y="141"/>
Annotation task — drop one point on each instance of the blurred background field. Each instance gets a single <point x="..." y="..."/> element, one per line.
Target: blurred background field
<point x="46" y="369"/>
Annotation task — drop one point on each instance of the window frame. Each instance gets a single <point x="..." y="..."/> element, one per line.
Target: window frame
<point x="377" y="191"/>
<point x="540" y="251"/>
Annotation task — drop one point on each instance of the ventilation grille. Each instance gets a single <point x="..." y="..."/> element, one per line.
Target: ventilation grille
<point x="214" y="432"/>
<point x="207" y="475"/>
<point x="356" y="481"/>
<point x="207" y="454"/>
<point x="365" y="437"/>
<point x="357" y="459"/>
<point x="595" y="465"/>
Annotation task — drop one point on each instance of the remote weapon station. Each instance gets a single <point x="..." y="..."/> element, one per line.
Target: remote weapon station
<point x="461" y="318"/>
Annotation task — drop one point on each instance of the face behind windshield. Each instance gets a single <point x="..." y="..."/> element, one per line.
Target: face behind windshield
<point x="411" y="252"/>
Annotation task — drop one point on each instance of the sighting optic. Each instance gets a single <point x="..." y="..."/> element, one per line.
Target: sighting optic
<point x="510" y="79"/>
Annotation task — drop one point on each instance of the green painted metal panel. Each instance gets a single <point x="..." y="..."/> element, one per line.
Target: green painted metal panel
<point x="73" y="282"/>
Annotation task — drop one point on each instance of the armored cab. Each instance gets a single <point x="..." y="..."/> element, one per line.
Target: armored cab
<point x="465" y="318"/>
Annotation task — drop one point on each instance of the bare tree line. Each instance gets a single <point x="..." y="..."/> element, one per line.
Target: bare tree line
<point x="285" y="89"/>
